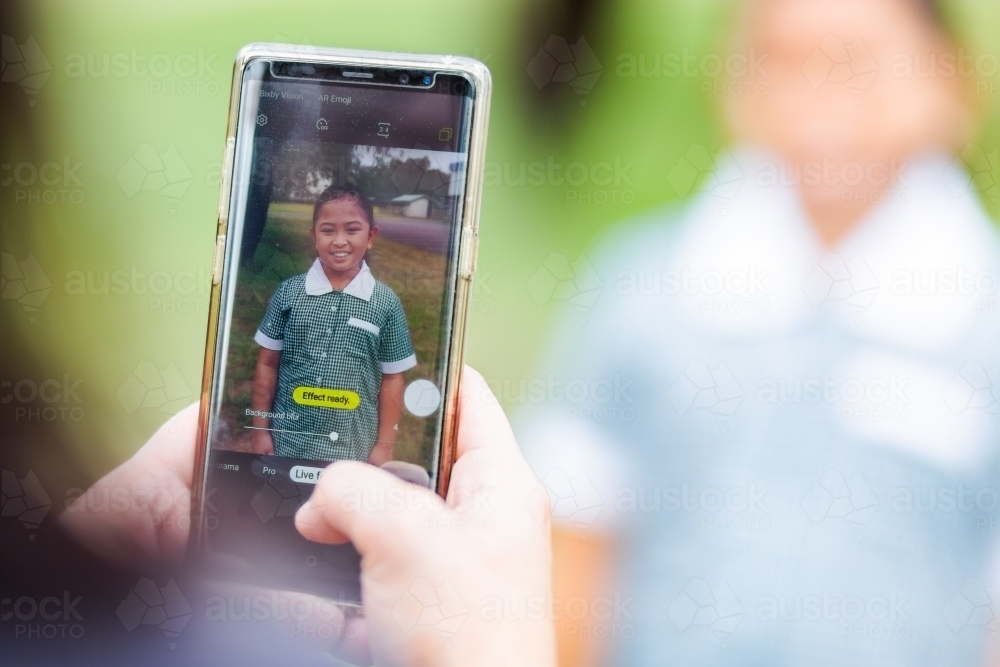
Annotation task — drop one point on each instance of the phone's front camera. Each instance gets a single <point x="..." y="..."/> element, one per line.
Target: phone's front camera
<point x="427" y="79"/>
<point x="404" y="78"/>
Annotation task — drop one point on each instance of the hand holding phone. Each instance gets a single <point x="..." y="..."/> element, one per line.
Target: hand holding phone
<point x="486" y="545"/>
<point x="482" y="550"/>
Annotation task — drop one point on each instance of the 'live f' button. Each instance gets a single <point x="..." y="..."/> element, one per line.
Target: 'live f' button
<point x="305" y="474"/>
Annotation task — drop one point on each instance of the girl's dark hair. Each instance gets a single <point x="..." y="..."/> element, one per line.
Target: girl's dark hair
<point x="335" y="192"/>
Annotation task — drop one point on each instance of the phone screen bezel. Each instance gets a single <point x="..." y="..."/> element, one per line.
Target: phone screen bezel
<point x="251" y="65"/>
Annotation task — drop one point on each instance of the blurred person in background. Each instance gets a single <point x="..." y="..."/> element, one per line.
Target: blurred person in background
<point x="780" y="446"/>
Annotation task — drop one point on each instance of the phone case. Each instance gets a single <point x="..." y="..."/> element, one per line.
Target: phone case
<point x="226" y="253"/>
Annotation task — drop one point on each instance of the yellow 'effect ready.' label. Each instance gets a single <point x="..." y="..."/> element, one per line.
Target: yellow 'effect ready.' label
<point x="336" y="399"/>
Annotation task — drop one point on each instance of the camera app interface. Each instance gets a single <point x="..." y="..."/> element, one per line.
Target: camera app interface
<point x="340" y="309"/>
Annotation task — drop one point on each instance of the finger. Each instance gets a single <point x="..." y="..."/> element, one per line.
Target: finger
<point x="482" y="423"/>
<point x="153" y="526"/>
<point x="368" y="506"/>
<point x="173" y="445"/>
<point x="354" y="646"/>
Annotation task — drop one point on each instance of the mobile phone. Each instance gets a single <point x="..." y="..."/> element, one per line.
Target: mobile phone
<point x="347" y="239"/>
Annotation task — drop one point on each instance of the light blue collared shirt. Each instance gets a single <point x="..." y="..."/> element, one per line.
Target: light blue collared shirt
<point x="797" y="446"/>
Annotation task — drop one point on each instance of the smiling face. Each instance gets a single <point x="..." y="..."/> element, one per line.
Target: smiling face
<point x="814" y="109"/>
<point x="342" y="234"/>
<point x="848" y="85"/>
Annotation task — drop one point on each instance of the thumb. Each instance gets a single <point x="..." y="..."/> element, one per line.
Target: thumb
<point x="370" y="507"/>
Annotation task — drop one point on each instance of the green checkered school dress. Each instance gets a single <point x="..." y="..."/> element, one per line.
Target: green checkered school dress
<point x="332" y="340"/>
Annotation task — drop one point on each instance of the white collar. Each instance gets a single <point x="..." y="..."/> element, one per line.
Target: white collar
<point x="361" y="286"/>
<point x="908" y="293"/>
<point x="930" y="224"/>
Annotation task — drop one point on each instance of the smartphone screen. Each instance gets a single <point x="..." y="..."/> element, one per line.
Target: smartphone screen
<point x="337" y="300"/>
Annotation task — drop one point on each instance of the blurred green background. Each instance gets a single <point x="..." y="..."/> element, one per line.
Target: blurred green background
<point x="112" y="137"/>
